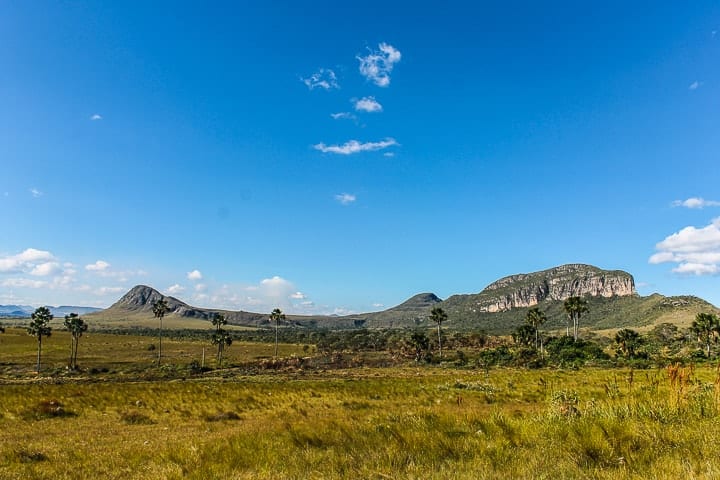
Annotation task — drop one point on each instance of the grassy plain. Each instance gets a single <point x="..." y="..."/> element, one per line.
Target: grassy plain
<point x="405" y="422"/>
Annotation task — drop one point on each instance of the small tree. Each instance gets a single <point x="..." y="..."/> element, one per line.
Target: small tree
<point x="420" y="343"/>
<point x="575" y="307"/>
<point x="535" y="318"/>
<point x="706" y="327"/>
<point x="76" y="326"/>
<point x="438" y="316"/>
<point x="40" y="327"/>
<point x="524" y="335"/>
<point x="628" y="341"/>
<point x="220" y="337"/>
<point x="159" y="309"/>
<point x="276" y="316"/>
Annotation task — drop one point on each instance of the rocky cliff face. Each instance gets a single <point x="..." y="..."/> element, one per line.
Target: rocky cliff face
<point x="559" y="283"/>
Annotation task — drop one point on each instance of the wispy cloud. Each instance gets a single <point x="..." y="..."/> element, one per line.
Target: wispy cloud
<point x="35" y="192"/>
<point x="323" y="78"/>
<point x="345" y="198"/>
<point x="24" y="283"/>
<point x="96" y="116"/>
<point x="368" y="104"/>
<point x="353" y="146"/>
<point x="343" y="116"/>
<point x="696" y="251"/>
<point x="195" y="275"/>
<point x="695" y="85"/>
<point x="378" y="64"/>
<point x="102" y="291"/>
<point x="695" y="202"/>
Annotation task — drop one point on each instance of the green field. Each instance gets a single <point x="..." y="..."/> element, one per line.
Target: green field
<point x="123" y="417"/>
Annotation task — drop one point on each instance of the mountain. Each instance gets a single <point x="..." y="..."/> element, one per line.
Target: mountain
<point x="498" y="309"/>
<point x="141" y="298"/>
<point x="559" y="283"/>
<point x="24" y="311"/>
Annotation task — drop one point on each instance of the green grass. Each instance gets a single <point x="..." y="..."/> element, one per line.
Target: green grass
<point x="368" y="423"/>
<point x="120" y="353"/>
<point x="133" y="420"/>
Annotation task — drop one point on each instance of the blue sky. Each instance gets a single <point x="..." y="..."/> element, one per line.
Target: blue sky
<point x="333" y="158"/>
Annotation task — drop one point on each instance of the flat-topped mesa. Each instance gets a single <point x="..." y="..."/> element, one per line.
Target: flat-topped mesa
<point x="559" y="283"/>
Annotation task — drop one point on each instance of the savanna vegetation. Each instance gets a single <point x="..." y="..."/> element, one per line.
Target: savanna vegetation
<point x="286" y="402"/>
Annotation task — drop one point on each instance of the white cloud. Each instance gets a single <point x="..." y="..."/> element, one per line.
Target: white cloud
<point x="269" y="293"/>
<point x="368" y="104"/>
<point x="24" y="283"/>
<point x="98" y="266"/>
<point x="695" y="250"/>
<point x="35" y="192"/>
<point x="378" y="305"/>
<point x="324" y="78"/>
<point x="200" y="287"/>
<point x="378" y="64"/>
<point x="353" y="146"/>
<point x="695" y="85"/>
<point x="25" y="261"/>
<point x="103" y="269"/>
<point x="696" y="269"/>
<point x="194" y="275"/>
<point x="277" y="288"/>
<point x="45" y="269"/>
<point x="102" y="291"/>
<point x="389" y="154"/>
<point x="695" y="202"/>
<point x="341" y="311"/>
<point x="174" y="289"/>
<point x="343" y="116"/>
<point x="345" y="198"/>
<point x="96" y="116"/>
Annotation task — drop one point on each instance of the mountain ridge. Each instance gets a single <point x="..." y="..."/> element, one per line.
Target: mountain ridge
<point x="498" y="308"/>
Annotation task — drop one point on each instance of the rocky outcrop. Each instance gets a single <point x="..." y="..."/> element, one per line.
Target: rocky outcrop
<point x="559" y="283"/>
<point x="420" y="301"/>
<point x="141" y="298"/>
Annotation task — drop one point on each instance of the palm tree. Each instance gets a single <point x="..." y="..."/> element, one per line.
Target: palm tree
<point x="575" y="307"/>
<point x="438" y="316"/>
<point x="76" y="326"/>
<point x="628" y="340"/>
<point x="705" y="326"/>
<point x="535" y="318"/>
<point x="159" y="309"/>
<point x="40" y="327"/>
<point x="221" y="337"/>
<point x="276" y="316"/>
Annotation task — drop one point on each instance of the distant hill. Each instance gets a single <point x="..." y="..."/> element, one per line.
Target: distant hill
<point x="497" y="309"/>
<point x="24" y="311"/>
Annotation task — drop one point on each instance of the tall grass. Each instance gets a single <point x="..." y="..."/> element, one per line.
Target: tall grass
<point x="371" y="423"/>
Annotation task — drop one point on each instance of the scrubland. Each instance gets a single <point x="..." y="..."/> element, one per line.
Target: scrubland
<point x="403" y="422"/>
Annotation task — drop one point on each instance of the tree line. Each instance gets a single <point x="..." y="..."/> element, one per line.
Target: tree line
<point x="629" y="343"/>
